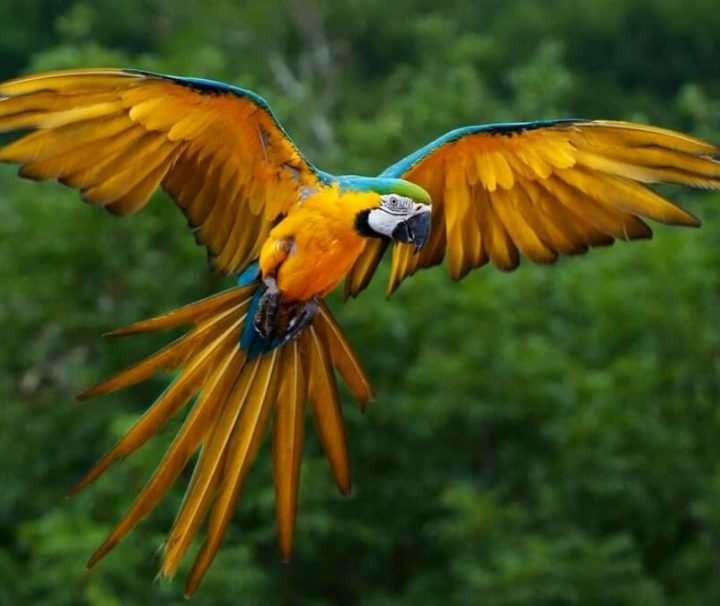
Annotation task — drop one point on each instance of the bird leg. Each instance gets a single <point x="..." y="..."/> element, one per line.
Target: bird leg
<point x="266" y="317"/>
<point x="271" y="314"/>
<point x="302" y="318"/>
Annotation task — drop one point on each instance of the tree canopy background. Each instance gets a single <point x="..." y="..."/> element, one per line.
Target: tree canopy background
<point x="548" y="437"/>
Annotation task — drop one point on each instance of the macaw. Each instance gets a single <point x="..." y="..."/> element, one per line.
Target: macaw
<point x="289" y="232"/>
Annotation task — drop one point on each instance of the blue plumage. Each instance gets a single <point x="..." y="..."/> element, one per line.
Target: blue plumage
<point x="250" y="339"/>
<point x="249" y="275"/>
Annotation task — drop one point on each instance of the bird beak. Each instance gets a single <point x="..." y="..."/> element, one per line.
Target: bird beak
<point x="415" y="229"/>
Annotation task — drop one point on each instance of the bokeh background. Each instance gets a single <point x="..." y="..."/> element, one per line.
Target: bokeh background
<point x="550" y="436"/>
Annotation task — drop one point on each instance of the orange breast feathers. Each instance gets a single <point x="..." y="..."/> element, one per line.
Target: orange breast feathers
<point x="313" y="248"/>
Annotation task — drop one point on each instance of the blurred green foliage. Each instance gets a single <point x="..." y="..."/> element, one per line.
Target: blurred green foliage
<point x="546" y="437"/>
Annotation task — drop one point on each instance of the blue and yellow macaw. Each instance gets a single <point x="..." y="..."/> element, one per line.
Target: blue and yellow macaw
<point x="290" y="233"/>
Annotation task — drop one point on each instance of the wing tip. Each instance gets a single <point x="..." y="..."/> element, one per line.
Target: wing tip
<point x="123" y="331"/>
<point x="345" y="487"/>
<point x="682" y="218"/>
<point x="365" y="402"/>
<point x="100" y="553"/>
<point x="85" y="395"/>
<point x="694" y="221"/>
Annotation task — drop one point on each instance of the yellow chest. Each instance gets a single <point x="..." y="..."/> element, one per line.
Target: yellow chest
<point x="322" y="243"/>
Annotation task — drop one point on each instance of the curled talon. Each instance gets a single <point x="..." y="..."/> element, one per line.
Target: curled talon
<point x="266" y="318"/>
<point x="301" y="320"/>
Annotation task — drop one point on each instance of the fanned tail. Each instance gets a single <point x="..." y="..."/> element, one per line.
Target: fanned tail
<point x="233" y="396"/>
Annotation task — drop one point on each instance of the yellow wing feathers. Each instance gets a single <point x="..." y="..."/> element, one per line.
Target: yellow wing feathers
<point x="544" y="191"/>
<point x="555" y="191"/>
<point x="117" y="136"/>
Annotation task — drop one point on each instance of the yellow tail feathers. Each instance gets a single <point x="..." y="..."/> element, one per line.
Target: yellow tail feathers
<point x="233" y="399"/>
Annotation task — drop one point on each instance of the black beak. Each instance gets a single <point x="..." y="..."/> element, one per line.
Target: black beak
<point x="414" y="230"/>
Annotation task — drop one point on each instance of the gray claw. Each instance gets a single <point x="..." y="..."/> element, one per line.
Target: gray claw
<point x="266" y="317"/>
<point x="301" y="320"/>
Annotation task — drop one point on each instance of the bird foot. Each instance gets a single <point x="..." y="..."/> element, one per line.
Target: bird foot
<point x="266" y="317"/>
<point x="301" y="320"/>
<point x="272" y="314"/>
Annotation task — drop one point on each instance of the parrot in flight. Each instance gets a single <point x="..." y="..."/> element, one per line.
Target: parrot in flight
<point x="288" y="233"/>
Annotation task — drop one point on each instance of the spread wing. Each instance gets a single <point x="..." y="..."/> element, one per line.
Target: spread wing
<point x="542" y="189"/>
<point x="118" y="135"/>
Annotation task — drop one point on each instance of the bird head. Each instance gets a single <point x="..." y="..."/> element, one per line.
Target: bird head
<point x="398" y="216"/>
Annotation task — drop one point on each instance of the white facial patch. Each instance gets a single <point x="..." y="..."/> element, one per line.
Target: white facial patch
<point x="382" y="222"/>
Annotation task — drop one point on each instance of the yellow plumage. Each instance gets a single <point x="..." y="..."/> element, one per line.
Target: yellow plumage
<point x="288" y="437"/>
<point x="312" y="250"/>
